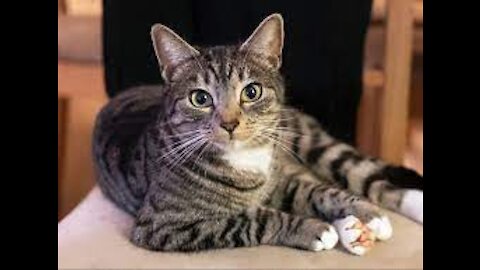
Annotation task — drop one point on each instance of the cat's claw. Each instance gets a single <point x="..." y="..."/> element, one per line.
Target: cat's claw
<point x="327" y="240"/>
<point x="356" y="237"/>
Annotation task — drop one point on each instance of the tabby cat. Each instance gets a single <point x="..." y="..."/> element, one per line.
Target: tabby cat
<point x="214" y="159"/>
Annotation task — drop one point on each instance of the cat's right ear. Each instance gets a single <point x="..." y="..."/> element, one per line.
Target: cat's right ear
<point x="267" y="40"/>
<point x="171" y="50"/>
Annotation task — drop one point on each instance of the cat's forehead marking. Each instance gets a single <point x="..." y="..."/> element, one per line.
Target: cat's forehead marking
<point x="221" y="64"/>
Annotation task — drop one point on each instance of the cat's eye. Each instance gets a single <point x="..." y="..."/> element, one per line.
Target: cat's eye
<point x="251" y="92"/>
<point x="200" y="98"/>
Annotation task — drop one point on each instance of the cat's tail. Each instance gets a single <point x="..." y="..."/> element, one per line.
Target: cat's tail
<point x="118" y="127"/>
<point x="396" y="188"/>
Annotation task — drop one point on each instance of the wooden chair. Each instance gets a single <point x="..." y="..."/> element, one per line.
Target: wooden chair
<point x="81" y="93"/>
<point x="384" y="112"/>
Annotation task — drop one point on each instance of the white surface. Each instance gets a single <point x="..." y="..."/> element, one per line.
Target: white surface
<point x="95" y="235"/>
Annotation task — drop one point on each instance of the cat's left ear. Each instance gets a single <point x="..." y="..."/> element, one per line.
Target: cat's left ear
<point x="171" y="49"/>
<point x="267" y="40"/>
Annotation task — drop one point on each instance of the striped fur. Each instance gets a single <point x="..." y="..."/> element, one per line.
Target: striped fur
<point x="192" y="186"/>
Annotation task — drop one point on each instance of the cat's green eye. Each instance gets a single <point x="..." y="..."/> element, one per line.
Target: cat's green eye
<point x="200" y="98"/>
<point x="251" y="92"/>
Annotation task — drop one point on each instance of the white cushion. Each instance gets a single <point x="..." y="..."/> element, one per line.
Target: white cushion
<point x="95" y="235"/>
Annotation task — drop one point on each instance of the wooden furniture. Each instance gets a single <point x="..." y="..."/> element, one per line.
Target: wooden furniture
<point x="384" y="112"/>
<point x="80" y="96"/>
<point x="81" y="93"/>
<point x="394" y="110"/>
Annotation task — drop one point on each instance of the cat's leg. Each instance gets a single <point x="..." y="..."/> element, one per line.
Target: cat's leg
<point x="253" y="227"/>
<point x="358" y="222"/>
<point x="394" y="187"/>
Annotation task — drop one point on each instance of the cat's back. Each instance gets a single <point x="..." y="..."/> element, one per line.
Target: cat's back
<point x="118" y="128"/>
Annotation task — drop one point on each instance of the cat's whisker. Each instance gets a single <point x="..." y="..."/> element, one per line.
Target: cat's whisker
<point x="278" y="119"/>
<point x="178" y="144"/>
<point x="205" y="146"/>
<point x="290" y="133"/>
<point x="181" y="146"/>
<point x="186" y="136"/>
<point x="178" y="159"/>
<point x="276" y="131"/>
<point x="253" y="136"/>
<point x="199" y="148"/>
<point x="198" y="141"/>
<point x="288" y="142"/>
<point x="281" y="144"/>
<point x="182" y="134"/>
<point x="188" y="153"/>
<point x="287" y="150"/>
<point x="189" y="133"/>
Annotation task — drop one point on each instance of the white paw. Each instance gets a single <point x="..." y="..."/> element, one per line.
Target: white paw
<point x="327" y="240"/>
<point x="381" y="228"/>
<point x="354" y="235"/>
<point x="412" y="205"/>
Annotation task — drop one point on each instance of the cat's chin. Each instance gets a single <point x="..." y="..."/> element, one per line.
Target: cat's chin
<point x="231" y="145"/>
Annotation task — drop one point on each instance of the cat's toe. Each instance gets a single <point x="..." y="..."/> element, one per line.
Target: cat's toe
<point x="328" y="240"/>
<point x="356" y="237"/>
<point x="381" y="227"/>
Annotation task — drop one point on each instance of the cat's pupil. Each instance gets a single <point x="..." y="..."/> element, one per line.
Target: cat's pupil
<point x="251" y="92"/>
<point x="201" y="98"/>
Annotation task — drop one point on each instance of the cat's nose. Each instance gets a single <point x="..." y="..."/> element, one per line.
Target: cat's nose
<point x="230" y="126"/>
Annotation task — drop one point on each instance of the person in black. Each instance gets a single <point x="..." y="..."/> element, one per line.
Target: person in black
<point x="322" y="56"/>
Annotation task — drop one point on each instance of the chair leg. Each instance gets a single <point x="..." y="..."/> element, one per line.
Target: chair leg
<point x="77" y="171"/>
<point x="395" y="97"/>
<point x="62" y="109"/>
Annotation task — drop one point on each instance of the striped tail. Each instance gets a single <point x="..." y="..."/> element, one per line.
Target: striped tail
<point x="394" y="187"/>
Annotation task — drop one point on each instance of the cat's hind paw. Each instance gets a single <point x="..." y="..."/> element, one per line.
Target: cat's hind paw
<point x="328" y="240"/>
<point x="355" y="236"/>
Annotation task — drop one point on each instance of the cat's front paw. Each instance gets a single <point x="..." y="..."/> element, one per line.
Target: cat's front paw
<point x="381" y="228"/>
<point x="312" y="234"/>
<point x="357" y="237"/>
<point x="327" y="240"/>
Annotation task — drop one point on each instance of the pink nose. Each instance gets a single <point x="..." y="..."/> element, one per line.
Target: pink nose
<point x="230" y="126"/>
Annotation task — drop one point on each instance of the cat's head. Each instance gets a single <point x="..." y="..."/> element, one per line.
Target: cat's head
<point x="228" y="96"/>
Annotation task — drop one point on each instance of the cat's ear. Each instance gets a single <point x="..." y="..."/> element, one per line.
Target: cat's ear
<point x="171" y="50"/>
<point x="267" y="40"/>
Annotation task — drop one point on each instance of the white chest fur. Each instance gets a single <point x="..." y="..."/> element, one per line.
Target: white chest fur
<point x="254" y="159"/>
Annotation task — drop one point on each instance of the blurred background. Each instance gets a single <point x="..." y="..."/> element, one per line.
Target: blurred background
<point x="390" y="116"/>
